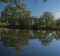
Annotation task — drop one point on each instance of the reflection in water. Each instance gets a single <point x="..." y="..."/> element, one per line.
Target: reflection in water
<point x="7" y="51"/>
<point x="36" y="49"/>
<point x="19" y="38"/>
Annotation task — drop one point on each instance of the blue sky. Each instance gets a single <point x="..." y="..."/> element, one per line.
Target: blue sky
<point x="39" y="7"/>
<point x="2" y="5"/>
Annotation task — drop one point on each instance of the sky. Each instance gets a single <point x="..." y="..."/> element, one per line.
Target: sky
<point x="2" y="5"/>
<point x="37" y="8"/>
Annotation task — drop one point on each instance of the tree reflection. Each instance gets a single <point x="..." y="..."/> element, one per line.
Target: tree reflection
<point x="18" y="37"/>
<point x="12" y="38"/>
<point x="57" y="35"/>
<point x="44" y="36"/>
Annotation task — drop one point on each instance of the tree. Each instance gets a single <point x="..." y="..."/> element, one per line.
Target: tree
<point x="25" y="17"/>
<point x="10" y="15"/>
<point x="48" y="18"/>
<point x="58" y="23"/>
<point x="41" y="22"/>
<point x="18" y="0"/>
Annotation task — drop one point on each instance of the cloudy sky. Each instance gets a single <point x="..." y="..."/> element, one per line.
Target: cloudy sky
<point x="37" y="8"/>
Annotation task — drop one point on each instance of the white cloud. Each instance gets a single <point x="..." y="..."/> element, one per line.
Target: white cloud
<point x="57" y="15"/>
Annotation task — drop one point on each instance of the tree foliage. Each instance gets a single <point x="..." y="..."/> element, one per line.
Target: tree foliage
<point x="18" y="14"/>
<point x="47" y="18"/>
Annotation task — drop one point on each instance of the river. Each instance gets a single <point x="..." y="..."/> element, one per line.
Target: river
<point x="19" y="42"/>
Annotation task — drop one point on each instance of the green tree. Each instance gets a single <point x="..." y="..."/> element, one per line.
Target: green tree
<point x="24" y="18"/>
<point x="12" y="14"/>
<point x="48" y="18"/>
<point x="58" y="23"/>
<point x="41" y="22"/>
<point x="9" y="15"/>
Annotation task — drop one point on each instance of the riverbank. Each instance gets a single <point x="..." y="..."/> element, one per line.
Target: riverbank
<point x="28" y="27"/>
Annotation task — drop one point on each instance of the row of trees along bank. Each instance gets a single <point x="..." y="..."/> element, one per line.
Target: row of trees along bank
<point x="18" y="15"/>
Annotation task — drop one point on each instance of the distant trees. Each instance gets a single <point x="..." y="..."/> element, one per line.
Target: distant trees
<point x="47" y="18"/>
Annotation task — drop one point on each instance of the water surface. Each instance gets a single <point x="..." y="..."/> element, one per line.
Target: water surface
<point x="18" y="42"/>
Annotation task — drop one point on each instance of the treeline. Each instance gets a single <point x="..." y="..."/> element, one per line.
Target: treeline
<point x="14" y="16"/>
